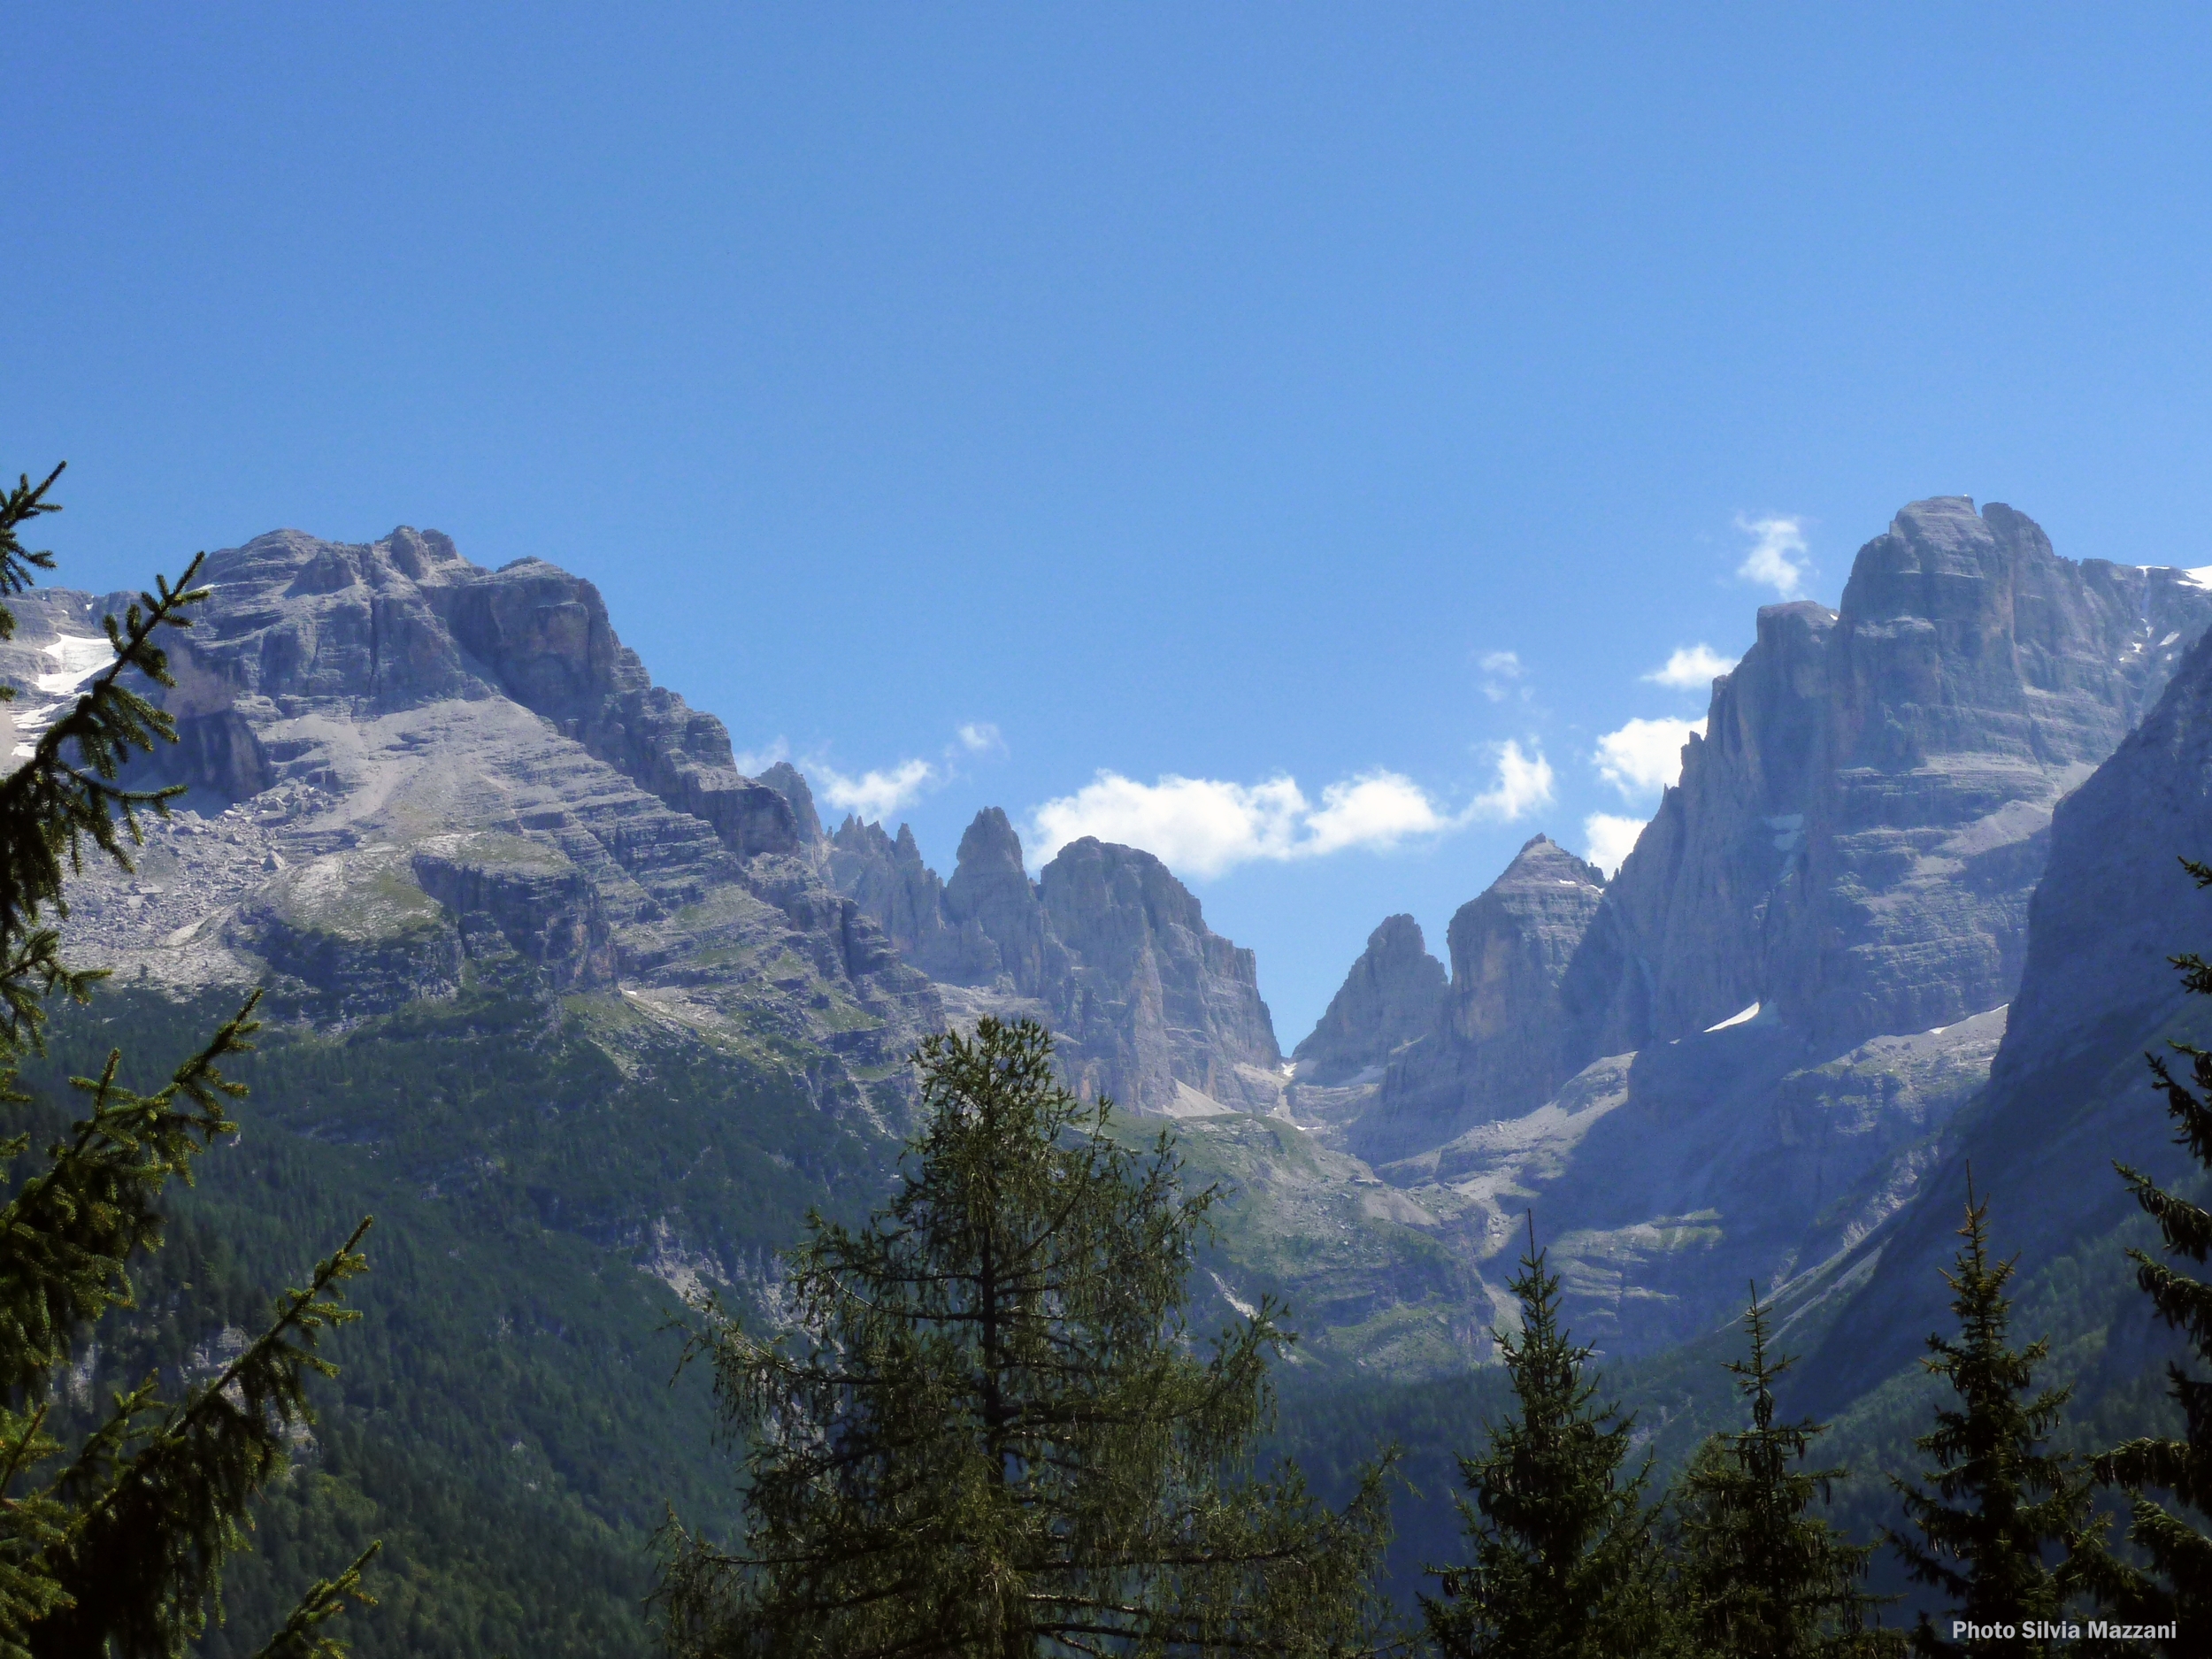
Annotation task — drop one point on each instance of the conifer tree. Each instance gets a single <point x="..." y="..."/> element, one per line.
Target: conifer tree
<point x="985" y="1431"/>
<point x="2179" y="1551"/>
<point x="2002" y="1504"/>
<point x="115" y="1545"/>
<point x="1762" y="1578"/>
<point x="1565" y="1561"/>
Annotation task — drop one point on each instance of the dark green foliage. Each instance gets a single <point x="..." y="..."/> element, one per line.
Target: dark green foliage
<point x="1762" y="1576"/>
<point x="2179" y="1552"/>
<point x="504" y="1419"/>
<point x="120" y="1548"/>
<point x="1565" y="1563"/>
<point x="985" y="1433"/>
<point x="2003" y="1503"/>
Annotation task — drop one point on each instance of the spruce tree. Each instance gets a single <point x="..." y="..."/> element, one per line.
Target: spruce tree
<point x="115" y="1544"/>
<point x="984" y="1431"/>
<point x="1762" y="1576"/>
<point x="2002" y="1504"/>
<point x="2179" y="1551"/>
<point x="1565" y="1561"/>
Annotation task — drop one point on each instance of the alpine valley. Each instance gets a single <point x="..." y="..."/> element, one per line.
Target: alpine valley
<point x="589" y="1020"/>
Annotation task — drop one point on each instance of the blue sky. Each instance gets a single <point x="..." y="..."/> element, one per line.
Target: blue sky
<point x="1204" y="393"/>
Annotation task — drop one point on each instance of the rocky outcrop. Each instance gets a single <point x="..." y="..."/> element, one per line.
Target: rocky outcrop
<point x="887" y="879"/>
<point x="520" y="904"/>
<point x="1498" y="1044"/>
<point x="998" y="916"/>
<point x="350" y="936"/>
<point x="1390" y="998"/>
<point x="787" y="782"/>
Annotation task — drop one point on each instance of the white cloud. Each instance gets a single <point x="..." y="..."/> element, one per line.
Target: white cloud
<point x="1691" y="668"/>
<point x="1200" y="824"/>
<point x="1610" y="839"/>
<point x="1644" y="755"/>
<point x="1524" y="783"/>
<point x="1777" y="558"/>
<point x="1377" y="809"/>
<point x="1203" y="827"/>
<point x="981" y="737"/>
<point x="874" y="795"/>
<point x="753" y="762"/>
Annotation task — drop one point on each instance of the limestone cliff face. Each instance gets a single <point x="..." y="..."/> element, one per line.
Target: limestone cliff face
<point x="1856" y="840"/>
<point x="998" y="916"/>
<point x="1389" y="998"/>
<point x="1686" y="927"/>
<point x="1148" y="1004"/>
<point x="1498" y="1045"/>
<point x="1154" y="1002"/>
<point x="1856" y="846"/>
<point x="2069" y="1093"/>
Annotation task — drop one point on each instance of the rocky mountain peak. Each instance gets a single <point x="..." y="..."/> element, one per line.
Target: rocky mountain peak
<point x="1854" y="841"/>
<point x="1499" y="1043"/>
<point x="995" y="909"/>
<point x="1387" y="1000"/>
<point x="1159" y="1010"/>
<point x="787" y="782"/>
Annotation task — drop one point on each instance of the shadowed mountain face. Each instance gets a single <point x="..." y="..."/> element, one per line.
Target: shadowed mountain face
<point x="2069" y="1093"/>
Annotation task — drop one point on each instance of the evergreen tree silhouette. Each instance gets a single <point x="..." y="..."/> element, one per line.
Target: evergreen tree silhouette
<point x="116" y="1545"/>
<point x="987" y="1432"/>
<point x="1762" y="1576"/>
<point x="2002" y="1504"/>
<point x="2178" y="1588"/>
<point x="1565" y="1562"/>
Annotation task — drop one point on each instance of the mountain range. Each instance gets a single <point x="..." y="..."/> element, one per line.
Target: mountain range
<point x="572" y="988"/>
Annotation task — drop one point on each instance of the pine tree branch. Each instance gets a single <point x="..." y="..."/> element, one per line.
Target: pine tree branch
<point x="302" y="1636"/>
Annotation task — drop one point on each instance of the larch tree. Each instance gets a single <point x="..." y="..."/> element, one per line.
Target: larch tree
<point x="986" y="1430"/>
<point x="1565" y="1560"/>
<point x="2005" y="1532"/>
<point x="1762" y="1576"/>
<point x="114" y="1543"/>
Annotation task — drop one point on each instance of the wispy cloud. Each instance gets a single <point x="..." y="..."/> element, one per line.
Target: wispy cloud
<point x="1610" y="838"/>
<point x="1776" y="558"/>
<point x="1203" y="827"/>
<point x="1500" y="672"/>
<point x="753" y="762"/>
<point x="1691" y="668"/>
<point x="1643" y="757"/>
<point x="872" y="795"/>
<point x="980" y="737"/>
